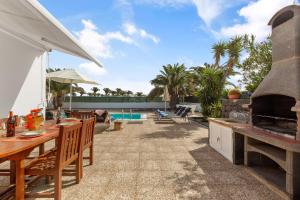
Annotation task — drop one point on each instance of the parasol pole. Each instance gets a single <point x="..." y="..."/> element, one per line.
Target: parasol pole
<point x="70" y="106"/>
<point x="165" y="106"/>
<point x="49" y="81"/>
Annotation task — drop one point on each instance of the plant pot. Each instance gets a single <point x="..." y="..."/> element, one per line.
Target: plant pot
<point x="234" y="96"/>
<point x="117" y="126"/>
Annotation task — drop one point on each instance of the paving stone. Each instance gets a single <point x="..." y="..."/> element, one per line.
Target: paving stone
<point x="158" y="161"/>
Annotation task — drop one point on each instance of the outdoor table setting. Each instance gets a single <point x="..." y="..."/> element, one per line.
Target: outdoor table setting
<point x="17" y="148"/>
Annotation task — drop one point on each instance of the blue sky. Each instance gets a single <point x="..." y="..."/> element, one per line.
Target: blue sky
<point x="134" y="38"/>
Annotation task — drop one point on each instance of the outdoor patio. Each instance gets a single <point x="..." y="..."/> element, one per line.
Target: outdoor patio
<point x="151" y="160"/>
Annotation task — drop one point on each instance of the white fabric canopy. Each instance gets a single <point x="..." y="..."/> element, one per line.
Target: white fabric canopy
<point x="69" y="76"/>
<point x="166" y="97"/>
<point x="29" y="21"/>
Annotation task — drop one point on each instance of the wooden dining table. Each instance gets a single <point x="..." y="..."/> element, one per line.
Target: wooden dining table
<point x="17" y="148"/>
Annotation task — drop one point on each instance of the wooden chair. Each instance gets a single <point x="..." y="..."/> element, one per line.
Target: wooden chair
<point x="53" y="162"/>
<point x="82" y="114"/>
<point x="88" y="138"/>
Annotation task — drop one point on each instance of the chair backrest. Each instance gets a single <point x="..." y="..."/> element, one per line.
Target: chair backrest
<point x="88" y="129"/>
<point x="186" y="112"/>
<point x="69" y="144"/>
<point x="83" y="114"/>
<point x="180" y="111"/>
<point x="177" y="109"/>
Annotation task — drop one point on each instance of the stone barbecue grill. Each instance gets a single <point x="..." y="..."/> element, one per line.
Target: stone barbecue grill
<point x="275" y="105"/>
<point x="269" y="146"/>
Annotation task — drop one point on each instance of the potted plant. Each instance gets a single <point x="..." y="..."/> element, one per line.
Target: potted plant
<point x="234" y="94"/>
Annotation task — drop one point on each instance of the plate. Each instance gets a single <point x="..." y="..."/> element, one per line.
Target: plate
<point x="65" y="124"/>
<point x="71" y="118"/>
<point x="31" y="134"/>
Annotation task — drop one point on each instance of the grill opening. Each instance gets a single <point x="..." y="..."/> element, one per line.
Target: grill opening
<point x="273" y="113"/>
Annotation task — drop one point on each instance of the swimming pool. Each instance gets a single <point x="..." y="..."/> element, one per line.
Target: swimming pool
<point x="128" y="116"/>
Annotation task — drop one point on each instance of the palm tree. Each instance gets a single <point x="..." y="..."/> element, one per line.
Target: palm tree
<point x="107" y="91"/>
<point x="219" y="50"/>
<point x="230" y="50"/>
<point x="113" y="93"/>
<point x="139" y="94"/>
<point x="172" y="76"/>
<point x="128" y="92"/>
<point x="80" y="90"/>
<point x="123" y="93"/>
<point x="119" y="91"/>
<point x="234" y="49"/>
<point x="95" y="90"/>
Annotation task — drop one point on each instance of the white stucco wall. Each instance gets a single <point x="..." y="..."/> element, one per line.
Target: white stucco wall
<point x="22" y="75"/>
<point x="140" y="105"/>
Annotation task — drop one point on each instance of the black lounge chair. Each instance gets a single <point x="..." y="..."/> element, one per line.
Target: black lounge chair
<point x="185" y="113"/>
<point x="177" y="109"/>
<point x="180" y="111"/>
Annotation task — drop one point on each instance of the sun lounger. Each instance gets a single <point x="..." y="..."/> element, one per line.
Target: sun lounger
<point x="182" y="113"/>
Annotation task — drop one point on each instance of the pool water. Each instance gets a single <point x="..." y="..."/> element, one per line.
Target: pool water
<point x="126" y="116"/>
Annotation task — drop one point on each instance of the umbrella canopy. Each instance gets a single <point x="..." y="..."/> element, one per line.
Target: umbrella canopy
<point x="69" y="76"/>
<point x="166" y="97"/>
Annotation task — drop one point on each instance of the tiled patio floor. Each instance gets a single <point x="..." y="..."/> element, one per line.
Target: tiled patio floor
<point x="150" y="160"/>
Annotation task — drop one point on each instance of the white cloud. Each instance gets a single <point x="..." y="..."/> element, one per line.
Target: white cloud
<point x="132" y="30"/>
<point x="256" y="16"/>
<point x="173" y="3"/>
<point x="207" y="10"/>
<point x="97" y="43"/>
<point x="92" y="69"/>
<point x="126" y="9"/>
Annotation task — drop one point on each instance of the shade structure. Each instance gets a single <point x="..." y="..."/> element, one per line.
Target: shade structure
<point x="29" y="21"/>
<point x="166" y="97"/>
<point x="69" y="76"/>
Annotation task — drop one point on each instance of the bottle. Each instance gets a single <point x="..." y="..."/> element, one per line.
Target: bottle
<point x="11" y="125"/>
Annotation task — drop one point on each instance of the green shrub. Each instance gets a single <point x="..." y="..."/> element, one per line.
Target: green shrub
<point x="225" y="93"/>
<point x="216" y="110"/>
<point x="211" y="87"/>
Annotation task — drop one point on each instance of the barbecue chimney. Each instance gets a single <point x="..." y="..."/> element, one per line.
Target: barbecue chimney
<point x="275" y="104"/>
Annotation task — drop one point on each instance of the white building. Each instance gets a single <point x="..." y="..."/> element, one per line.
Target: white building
<point x="27" y="32"/>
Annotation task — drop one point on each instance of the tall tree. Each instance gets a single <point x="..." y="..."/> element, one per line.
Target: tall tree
<point x="139" y="94"/>
<point x="80" y="90"/>
<point x="172" y="76"/>
<point x="113" y="93"/>
<point x="219" y="50"/>
<point x="258" y="63"/>
<point x="210" y="80"/>
<point x="95" y="90"/>
<point x="107" y="91"/>
<point x="119" y="91"/>
<point x="231" y="51"/>
<point x="128" y="93"/>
